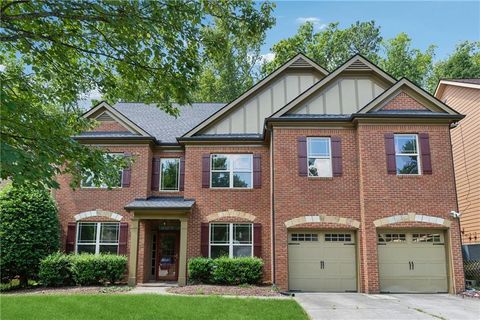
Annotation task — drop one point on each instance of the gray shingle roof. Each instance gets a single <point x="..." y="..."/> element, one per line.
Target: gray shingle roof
<point x="163" y="126"/>
<point x="472" y="80"/>
<point x="161" y="203"/>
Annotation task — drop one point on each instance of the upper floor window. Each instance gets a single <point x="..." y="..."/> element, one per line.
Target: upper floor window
<point x="231" y="171"/>
<point x="406" y="154"/>
<point x="87" y="181"/>
<point x="319" y="157"/>
<point x="231" y="240"/>
<point x="97" y="237"/>
<point x="169" y="174"/>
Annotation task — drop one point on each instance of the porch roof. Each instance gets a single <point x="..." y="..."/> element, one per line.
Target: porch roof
<point x="161" y="203"/>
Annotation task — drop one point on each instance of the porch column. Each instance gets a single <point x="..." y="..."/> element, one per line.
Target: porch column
<point x="132" y="266"/>
<point x="182" y="263"/>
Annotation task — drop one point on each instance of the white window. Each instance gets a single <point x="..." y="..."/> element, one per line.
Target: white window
<point x="406" y="154"/>
<point x="169" y="174"/>
<point x="231" y="171"/>
<point x="231" y="240"/>
<point x="97" y="237"/>
<point x="319" y="157"/>
<point x="88" y="183"/>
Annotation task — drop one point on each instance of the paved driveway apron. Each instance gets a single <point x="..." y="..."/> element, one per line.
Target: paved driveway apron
<point x="339" y="306"/>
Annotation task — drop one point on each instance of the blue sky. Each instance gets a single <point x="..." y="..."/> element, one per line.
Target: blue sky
<point x="427" y="22"/>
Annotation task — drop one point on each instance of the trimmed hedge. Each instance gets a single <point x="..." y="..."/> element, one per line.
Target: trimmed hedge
<point x="83" y="269"/>
<point x="230" y="271"/>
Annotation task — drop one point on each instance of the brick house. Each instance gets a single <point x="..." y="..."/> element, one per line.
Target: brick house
<point x="339" y="181"/>
<point x="464" y="96"/>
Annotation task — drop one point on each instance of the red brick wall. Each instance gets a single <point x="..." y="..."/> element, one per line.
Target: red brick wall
<point x="208" y="201"/>
<point x="403" y="102"/>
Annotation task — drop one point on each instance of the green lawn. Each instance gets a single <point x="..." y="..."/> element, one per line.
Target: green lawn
<point x="128" y="306"/>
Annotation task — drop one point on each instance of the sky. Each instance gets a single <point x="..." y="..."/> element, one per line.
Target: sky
<point x="442" y="23"/>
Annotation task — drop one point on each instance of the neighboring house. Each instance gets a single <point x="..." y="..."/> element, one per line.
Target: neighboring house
<point x="339" y="181"/>
<point x="464" y="96"/>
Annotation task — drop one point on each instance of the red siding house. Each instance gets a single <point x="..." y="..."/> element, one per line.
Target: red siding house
<point x="339" y="181"/>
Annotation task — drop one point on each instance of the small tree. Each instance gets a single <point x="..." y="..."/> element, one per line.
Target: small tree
<point x="29" y="231"/>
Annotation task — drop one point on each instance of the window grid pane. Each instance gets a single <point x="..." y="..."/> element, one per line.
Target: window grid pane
<point x="231" y="170"/>
<point x="426" y="237"/>
<point x="87" y="232"/>
<point x="231" y="239"/>
<point x="319" y="157"/>
<point x="87" y="180"/>
<point x="98" y="237"/>
<point x="304" y="237"/>
<point x="406" y="154"/>
<point x="392" y="237"/>
<point x="169" y="170"/>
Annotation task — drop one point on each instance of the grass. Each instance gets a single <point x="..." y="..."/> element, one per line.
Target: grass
<point x="118" y="307"/>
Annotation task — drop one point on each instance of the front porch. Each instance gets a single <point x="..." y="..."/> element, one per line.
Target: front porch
<point x="158" y="241"/>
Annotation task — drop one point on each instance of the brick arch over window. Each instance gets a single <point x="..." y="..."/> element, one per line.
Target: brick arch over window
<point x="98" y="213"/>
<point x="231" y="213"/>
<point x="322" y="218"/>
<point x="412" y="217"/>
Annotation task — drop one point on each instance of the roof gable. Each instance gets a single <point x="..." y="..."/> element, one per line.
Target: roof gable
<point x="466" y="83"/>
<point x="419" y="95"/>
<point x="356" y="66"/>
<point x="264" y="98"/>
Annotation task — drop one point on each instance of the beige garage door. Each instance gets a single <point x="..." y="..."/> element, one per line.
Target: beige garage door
<point x="412" y="261"/>
<point x="322" y="261"/>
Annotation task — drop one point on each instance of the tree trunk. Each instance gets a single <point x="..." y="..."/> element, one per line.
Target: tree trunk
<point x="23" y="281"/>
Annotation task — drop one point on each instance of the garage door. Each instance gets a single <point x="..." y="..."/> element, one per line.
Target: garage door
<point x="322" y="261"/>
<point x="412" y="261"/>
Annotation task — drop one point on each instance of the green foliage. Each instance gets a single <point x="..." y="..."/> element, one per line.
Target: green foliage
<point x="463" y="63"/>
<point x="54" y="52"/>
<point x="83" y="269"/>
<point x="200" y="269"/>
<point x="223" y="270"/>
<point x="29" y="231"/>
<point x="55" y="270"/>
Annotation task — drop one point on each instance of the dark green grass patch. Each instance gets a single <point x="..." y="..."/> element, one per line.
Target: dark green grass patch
<point x="118" y="307"/>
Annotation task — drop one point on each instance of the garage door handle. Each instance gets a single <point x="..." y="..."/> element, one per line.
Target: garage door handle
<point x="410" y="265"/>
<point x="322" y="265"/>
<point x="413" y="266"/>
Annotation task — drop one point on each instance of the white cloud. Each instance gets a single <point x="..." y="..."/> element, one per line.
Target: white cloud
<point x="267" y="57"/>
<point x="317" y="23"/>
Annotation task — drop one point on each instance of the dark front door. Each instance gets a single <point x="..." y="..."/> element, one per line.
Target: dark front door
<point x="167" y="256"/>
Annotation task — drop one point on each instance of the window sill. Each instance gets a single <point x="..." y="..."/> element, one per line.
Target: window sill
<point x="409" y="176"/>
<point x="232" y="189"/>
<point x="320" y="178"/>
<point x="103" y="189"/>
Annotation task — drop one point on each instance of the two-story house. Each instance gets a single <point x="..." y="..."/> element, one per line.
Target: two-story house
<point x="339" y="181"/>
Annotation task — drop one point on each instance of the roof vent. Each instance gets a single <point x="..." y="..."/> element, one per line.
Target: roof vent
<point x="300" y="63"/>
<point x="357" y="66"/>
<point x="105" y="117"/>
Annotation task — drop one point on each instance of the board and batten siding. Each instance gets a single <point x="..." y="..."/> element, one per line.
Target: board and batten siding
<point x="250" y="115"/>
<point x="346" y="95"/>
<point x="466" y="152"/>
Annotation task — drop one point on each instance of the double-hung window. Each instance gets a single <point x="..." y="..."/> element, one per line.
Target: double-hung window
<point x="97" y="237"/>
<point x="406" y="154"/>
<point x="88" y="183"/>
<point x="169" y="174"/>
<point x="231" y="170"/>
<point x="319" y="157"/>
<point x="231" y="240"/>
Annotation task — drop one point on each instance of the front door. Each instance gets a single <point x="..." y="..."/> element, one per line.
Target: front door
<point x="167" y="256"/>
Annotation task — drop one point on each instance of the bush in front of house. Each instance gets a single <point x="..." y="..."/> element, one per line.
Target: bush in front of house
<point x="228" y="271"/>
<point x="29" y="231"/>
<point x="82" y="269"/>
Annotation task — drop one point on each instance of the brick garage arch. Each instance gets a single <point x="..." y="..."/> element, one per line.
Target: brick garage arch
<point x="411" y="217"/>
<point x="98" y="213"/>
<point x="322" y="218"/>
<point x="231" y="213"/>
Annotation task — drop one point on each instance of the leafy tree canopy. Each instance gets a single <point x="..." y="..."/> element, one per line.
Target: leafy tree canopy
<point x="55" y="51"/>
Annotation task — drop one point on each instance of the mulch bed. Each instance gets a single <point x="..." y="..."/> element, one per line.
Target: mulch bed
<point x="70" y="290"/>
<point x="471" y="294"/>
<point x="260" y="291"/>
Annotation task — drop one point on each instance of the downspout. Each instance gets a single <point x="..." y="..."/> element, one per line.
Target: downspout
<point x="272" y="195"/>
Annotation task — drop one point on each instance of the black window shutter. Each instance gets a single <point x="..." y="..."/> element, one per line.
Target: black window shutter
<point x="155" y="186"/>
<point x="302" y="156"/>
<point x="71" y="235"/>
<point x="257" y="240"/>
<point x="127" y="173"/>
<point x="425" y="153"/>
<point x="337" y="168"/>
<point x="390" y="153"/>
<point x="204" y="239"/>
<point x="123" y="238"/>
<point x="182" y="174"/>
<point x="206" y="171"/>
<point x="257" y="171"/>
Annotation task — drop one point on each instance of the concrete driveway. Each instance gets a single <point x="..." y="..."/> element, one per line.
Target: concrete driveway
<point x="339" y="306"/>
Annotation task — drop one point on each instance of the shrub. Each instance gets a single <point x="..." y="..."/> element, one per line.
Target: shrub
<point x="55" y="270"/>
<point x="226" y="270"/>
<point x="83" y="269"/>
<point x="29" y="231"/>
<point x="200" y="270"/>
